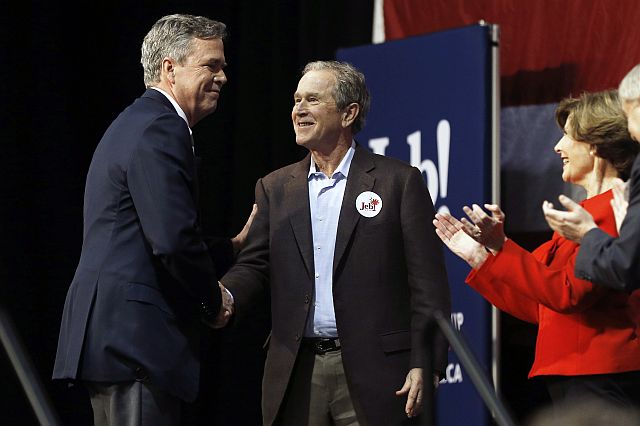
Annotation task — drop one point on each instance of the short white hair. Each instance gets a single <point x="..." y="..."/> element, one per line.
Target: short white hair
<point x="629" y="89"/>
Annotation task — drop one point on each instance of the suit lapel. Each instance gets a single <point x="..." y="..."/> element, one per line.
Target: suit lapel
<point x="197" y="161"/>
<point x="297" y="191"/>
<point x="359" y="180"/>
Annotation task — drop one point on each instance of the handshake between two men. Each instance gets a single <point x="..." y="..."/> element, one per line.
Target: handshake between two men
<point x="226" y="309"/>
<point x="226" y="306"/>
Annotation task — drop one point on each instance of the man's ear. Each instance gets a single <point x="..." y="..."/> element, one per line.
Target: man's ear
<point x="168" y="68"/>
<point x="349" y="114"/>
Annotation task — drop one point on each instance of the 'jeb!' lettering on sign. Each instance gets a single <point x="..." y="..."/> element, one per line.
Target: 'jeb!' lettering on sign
<point x="437" y="177"/>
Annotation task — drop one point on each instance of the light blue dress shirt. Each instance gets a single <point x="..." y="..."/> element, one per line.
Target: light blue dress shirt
<point x="325" y="200"/>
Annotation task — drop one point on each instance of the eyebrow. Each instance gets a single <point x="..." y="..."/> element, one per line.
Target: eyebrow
<point x="306" y="94"/>
<point x="215" y="61"/>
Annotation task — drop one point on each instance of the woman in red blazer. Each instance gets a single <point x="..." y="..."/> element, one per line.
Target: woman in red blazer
<point x="587" y="342"/>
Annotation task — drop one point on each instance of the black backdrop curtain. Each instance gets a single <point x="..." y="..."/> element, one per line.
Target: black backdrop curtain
<point x="66" y="72"/>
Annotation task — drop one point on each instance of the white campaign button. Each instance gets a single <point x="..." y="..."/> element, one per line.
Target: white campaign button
<point x="369" y="204"/>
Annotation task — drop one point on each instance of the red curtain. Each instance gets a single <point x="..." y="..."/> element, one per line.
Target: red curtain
<point x="549" y="49"/>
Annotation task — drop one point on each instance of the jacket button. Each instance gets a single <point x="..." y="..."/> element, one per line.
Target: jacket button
<point x="141" y="375"/>
<point x="297" y="337"/>
<point x="307" y="299"/>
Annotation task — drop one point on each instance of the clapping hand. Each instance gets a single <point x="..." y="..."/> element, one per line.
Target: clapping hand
<point x="573" y="223"/>
<point x="485" y="229"/>
<point x="620" y="201"/>
<point x="451" y="231"/>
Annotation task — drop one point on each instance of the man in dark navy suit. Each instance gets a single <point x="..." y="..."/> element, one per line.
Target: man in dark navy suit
<point x="145" y="288"/>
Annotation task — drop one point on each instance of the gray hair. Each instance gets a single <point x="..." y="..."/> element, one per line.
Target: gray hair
<point x="171" y="36"/>
<point x="629" y="89"/>
<point x="350" y="87"/>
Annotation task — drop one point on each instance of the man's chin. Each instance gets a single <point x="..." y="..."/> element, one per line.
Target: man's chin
<point x="212" y="108"/>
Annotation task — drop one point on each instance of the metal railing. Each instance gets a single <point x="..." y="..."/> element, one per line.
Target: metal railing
<point x="22" y="365"/>
<point x="479" y="378"/>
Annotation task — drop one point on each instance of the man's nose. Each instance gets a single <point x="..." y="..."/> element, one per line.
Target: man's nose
<point x="300" y="107"/>
<point x="220" y="78"/>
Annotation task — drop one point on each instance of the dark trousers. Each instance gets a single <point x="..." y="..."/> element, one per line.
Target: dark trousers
<point x="132" y="404"/>
<point x="621" y="389"/>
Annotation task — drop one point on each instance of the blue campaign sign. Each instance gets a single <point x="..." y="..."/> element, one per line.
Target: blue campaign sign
<point x="431" y="107"/>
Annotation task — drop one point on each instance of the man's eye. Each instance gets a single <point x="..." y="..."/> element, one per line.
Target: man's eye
<point x="214" y="67"/>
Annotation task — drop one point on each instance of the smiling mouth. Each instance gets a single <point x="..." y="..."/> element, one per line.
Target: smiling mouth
<point x="305" y="124"/>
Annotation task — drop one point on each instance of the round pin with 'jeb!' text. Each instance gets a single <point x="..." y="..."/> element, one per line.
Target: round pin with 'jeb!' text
<point x="368" y="204"/>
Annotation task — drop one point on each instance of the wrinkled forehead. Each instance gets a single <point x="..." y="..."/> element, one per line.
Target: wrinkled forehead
<point x="207" y="50"/>
<point x="318" y="82"/>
